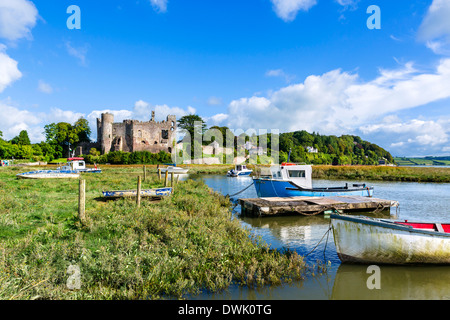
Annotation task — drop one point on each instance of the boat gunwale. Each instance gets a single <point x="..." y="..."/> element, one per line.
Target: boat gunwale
<point x="330" y="189"/>
<point x="394" y="224"/>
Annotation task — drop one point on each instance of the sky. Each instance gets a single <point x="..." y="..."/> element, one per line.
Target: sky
<point x="262" y="65"/>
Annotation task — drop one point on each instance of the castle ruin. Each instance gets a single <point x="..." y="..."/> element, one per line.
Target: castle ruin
<point x="133" y="135"/>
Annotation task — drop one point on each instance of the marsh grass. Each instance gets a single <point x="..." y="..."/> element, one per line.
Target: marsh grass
<point x="180" y="246"/>
<point x="383" y="173"/>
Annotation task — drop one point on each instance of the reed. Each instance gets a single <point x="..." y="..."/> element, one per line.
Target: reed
<point x="383" y="173"/>
<point x="180" y="246"/>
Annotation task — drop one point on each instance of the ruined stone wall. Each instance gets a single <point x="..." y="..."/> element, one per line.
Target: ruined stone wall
<point x="131" y="135"/>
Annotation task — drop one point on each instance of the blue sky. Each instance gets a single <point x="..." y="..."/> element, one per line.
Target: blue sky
<point x="252" y="64"/>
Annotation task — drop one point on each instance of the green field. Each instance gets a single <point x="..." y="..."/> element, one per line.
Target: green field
<point x="179" y="246"/>
<point x="427" y="161"/>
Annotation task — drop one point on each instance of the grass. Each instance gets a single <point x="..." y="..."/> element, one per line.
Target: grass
<point x="383" y="173"/>
<point x="180" y="246"/>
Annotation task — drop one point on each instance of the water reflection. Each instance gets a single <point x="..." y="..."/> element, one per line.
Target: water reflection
<point x="418" y="201"/>
<point x="397" y="283"/>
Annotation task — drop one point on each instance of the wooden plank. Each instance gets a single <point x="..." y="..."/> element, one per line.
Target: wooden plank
<point x="307" y="205"/>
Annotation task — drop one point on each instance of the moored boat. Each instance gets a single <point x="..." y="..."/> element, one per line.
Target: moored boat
<point x="49" y="174"/>
<point x="174" y="169"/>
<point x="239" y="170"/>
<point x="291" y="180"/>
<point x="378" y="241"/>
<point x="157" y="192"/>
<point x="79" y="165"/>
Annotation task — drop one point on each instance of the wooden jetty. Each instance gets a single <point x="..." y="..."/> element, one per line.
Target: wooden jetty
<point x="310" y="206"/>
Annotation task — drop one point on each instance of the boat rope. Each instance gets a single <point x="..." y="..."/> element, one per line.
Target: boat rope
<point x="231" y="196"/>
<point x="326" y="234"/>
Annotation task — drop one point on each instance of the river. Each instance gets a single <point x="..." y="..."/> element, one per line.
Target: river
<point x="418" y="202"/>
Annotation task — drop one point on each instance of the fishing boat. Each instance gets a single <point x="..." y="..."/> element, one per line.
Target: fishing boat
<point x="49" y="174"/>
<point x="174" y="169"/>
<point x="79" y="165"/>
<point x="157" y="193"/>
<point x="378" y="241"/>
<point x="239" y="170"/>
<point x="292" y="180"/>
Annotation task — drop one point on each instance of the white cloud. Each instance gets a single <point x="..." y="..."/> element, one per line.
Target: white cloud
<point x="288" y="9"/>
<point x="159" y="5"/>
<point x="280" y="73"/>
<point x="8" y="69"/>
<point x="17" y="18"/>
<point x="13" y="120"/>
<point x="435" y="28"/>
<point x="413" y="137"/>
<point x="79" y="53"/>
<point x="44" y="87"/>
<point x="339" y="102"/>
<point x="214" y="101"/>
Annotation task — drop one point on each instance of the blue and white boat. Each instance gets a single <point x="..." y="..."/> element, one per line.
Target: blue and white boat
<point x="155" y="193"/>
<point x="239" y="170"/>
<point x="49" y="174"/>
<point x="291" y="180"/>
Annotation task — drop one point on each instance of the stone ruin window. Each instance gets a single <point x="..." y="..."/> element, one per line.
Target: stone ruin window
<point x="165" y="134"/>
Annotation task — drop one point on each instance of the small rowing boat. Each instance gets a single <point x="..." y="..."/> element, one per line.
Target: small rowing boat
<point x="157" y="193"/>
<point x="379" y="241"/>
<point x="49" y="174"/>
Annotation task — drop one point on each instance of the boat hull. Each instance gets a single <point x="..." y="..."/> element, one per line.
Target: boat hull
<point x="239" y="174"/>
<point x="49" y="174"/>
<point x="175" y="171"/>
<point x="160" y="192"/>
<point x="373" y="241"/>
<point x="266" y="188"/>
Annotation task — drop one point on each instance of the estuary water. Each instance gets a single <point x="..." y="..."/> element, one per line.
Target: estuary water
<point x="418" y="202"/>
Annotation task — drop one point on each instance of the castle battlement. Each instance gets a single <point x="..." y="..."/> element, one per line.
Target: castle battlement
<point x="134" y="135"/>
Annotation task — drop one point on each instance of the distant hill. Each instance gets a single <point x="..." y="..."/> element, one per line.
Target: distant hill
<point x="425" y="161"/>
<point x="313" y="148"/>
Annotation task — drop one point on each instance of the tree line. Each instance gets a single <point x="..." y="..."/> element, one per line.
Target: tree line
<point x="299" y="146"/>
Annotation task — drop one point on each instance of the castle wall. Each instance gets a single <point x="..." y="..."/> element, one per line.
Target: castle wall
<point x="131" y="135"/>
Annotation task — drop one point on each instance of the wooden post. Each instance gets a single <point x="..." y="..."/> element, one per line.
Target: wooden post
<point x="138" y="196"/>
<point x="82" y="201"/>
<point x="171" y="179"/>
<point x="145" y="173"/>
<point x="159" y="174"/>
<point x="166" y="178"/>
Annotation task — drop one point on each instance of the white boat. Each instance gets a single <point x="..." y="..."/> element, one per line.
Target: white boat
<point x="49" y="174"/>
<point x="292" y="180"/>
<point x="155" y="193"/>
<point x="174" y="169"/>
<point x="78" y="165"/>
<point x="378" y="241"/>
<point x="239" y="170"/>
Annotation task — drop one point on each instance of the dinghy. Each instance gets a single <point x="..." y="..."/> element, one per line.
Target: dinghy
<point x="379" y="241"/>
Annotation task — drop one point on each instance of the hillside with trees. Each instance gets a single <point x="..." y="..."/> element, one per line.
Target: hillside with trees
<point x="298" y="147"/>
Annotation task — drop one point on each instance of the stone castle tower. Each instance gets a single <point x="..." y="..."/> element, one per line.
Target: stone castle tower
<point x="132" y="135"/>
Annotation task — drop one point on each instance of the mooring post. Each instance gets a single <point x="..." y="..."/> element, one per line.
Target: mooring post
<point x="145" y="173"/>
<point x="82" y="201"/>
<point x="171" y="179"/>
<point x="166" y="178"/>
<point x="138" y="196"/>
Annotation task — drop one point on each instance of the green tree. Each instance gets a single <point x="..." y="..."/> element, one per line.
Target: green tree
<point x="22" y="139"/>
<point x="188" y="123"/>
<point x="82" y="130"/>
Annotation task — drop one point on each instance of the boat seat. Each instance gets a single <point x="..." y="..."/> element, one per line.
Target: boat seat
<point x="439" y="227"/>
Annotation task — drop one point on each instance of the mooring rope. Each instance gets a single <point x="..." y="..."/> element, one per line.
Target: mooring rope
<point x="231" y="196"/>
